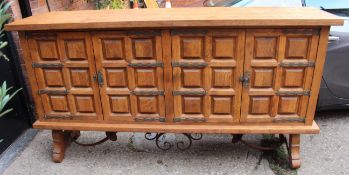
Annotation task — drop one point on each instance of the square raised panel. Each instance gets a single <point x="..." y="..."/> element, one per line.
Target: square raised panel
<point x="48" y="50"/>
<point x="80" y="77"/>
<point x="84" y="103"/>
<point x="293" y="77"/>
<point x="263" y="77"/>
<point x="146" y="77"/>
<point x="192" y="48"/>
<point x="143" y="48"/>
<point x="53" y="77"/>
<point x="120" y="104"/>
<point x="192" y="77"/>
<point x="260" y="104"/>
<point x="265" y="47"/>
<point x="59" y="103"/>
<point x="116" y="77"/>
<point x="224" y="47"/>
<point x="288" y="105"/>
<point x="75" y="49"/>
<point x="192" y="105"/>
<point x="221" y="105"/>
<point x="222" y="77"/>
<point x="113" y="49"/>
<point x="147" y="104"/>
<point x="297" y="47"/>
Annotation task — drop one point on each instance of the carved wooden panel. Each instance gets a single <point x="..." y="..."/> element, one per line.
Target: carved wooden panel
<point x="114" y="52"/>
<point x="277" y="61"/>
<point x="222" y="51"/>
<point x="67" y="89"/>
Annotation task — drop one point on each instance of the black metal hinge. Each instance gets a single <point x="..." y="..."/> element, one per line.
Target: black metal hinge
<point x="56" y="92"/>
<point x="150" y="119"/>
<point x="305" y="93"/>
<point x="69" y="117"/>
<point x="297" y="64"/>
<point x="47" y="65"/>
<point x="148" y="93"/>
<point x="181" y="119"/>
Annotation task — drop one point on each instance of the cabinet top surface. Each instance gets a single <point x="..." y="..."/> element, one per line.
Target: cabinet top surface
<point x="176" y="17"/>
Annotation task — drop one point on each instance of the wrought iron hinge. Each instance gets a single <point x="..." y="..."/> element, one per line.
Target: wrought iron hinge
<point x="245" y="79"/>
<point x="98" y="77"/>
<point x="281" y="119"/>
<point x="58" y="117"/>
<point x="47" y="65"/>
<point x="56" y="92"/>
<point x="147" y="92"/>
<point x="150" y="119"/>
<point x="189" y="64"/>
<point x="189" y="93"/>
<point x="155" y="64"/>
<point x="305" y="93"/>
<point x="297" y="64"/>
<point x="181" y="119"/>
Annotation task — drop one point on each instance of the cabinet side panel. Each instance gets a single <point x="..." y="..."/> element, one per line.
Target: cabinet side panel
<point x="31" y="76"/>
<point x="315" y="86"/>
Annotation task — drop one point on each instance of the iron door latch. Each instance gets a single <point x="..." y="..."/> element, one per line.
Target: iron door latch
<point x="99" y="78"/>
<point x="245" y="79"/>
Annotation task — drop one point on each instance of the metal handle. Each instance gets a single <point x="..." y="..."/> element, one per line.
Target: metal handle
<point x="98" y="77"/>
<point x="245" y="79"/>
<point x="156" y="64"/>
<point x="147" y="92"/>
<point x="189" y="93"/>
<point x="187" y="64"/>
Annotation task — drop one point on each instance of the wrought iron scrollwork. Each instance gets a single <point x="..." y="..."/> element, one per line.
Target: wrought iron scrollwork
<point x="165" y="145"/>
<point x="277" y="142"/>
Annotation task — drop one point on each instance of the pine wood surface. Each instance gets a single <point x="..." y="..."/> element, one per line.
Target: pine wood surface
<point x="177" y="17"/>
<point x="179" y="128"/>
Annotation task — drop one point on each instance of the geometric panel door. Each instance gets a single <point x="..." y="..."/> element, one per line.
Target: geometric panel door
<point x="206" y="69"/>
<point x="279" y="64"/>
<point x="130" y="64"/>
<point x="64" y="68"/>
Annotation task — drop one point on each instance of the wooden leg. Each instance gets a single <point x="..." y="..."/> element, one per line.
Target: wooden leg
<point x="294" y="147"/>
<point x="59" y="145"/>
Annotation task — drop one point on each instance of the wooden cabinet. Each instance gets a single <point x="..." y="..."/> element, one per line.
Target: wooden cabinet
<point x="241" y="71"/>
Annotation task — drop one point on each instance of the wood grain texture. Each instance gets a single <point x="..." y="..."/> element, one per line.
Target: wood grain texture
<point x="294" y="151"/>
<point x="266" y="51"/>
<point x="181" y="128"/>
<point x="177" y="17"/>
<point x="315" y="84"/>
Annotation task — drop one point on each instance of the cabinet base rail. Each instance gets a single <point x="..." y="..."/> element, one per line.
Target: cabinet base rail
<point x="63" y="138"/>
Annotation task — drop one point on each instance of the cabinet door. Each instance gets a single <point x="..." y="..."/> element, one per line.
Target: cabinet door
<point x="206" y="69"/>
<point x="64" y="67"/>
<point x="280" y="65"/>
<point x="131" y="66"/>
